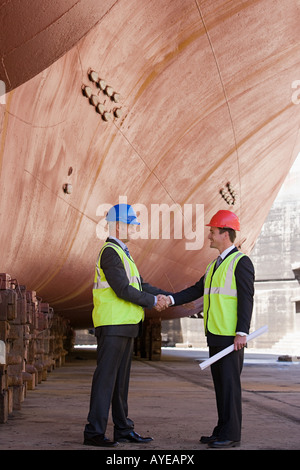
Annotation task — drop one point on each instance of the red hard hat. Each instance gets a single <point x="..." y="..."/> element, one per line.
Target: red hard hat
<point x="225" y="219"/>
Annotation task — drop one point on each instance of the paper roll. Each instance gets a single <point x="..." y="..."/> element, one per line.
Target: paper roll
<point x="230" y="348"/>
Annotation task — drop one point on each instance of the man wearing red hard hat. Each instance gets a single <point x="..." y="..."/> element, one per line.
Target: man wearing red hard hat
<point x="227" y="288"/>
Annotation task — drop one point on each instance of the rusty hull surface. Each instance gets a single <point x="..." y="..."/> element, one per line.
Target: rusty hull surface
<point x="206" y="98"/>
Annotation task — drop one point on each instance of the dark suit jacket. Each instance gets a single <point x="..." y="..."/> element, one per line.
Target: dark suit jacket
<point x="244" y="274"/>
<point x="117" y="279"/>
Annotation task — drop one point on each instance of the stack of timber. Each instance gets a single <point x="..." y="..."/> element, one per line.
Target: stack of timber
<point x="33" y="341"/>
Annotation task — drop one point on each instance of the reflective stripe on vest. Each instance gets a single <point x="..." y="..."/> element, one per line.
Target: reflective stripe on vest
<point x="220" y="296"/>
<point x="226" y="290"/>
<point x="104" y="284"/>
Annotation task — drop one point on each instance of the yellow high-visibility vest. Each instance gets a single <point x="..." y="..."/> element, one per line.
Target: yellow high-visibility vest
<point x="109" y="309"/>
<point x="220" y="297"/>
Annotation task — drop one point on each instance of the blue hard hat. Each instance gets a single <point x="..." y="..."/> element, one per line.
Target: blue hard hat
<point x="122" y="213"/>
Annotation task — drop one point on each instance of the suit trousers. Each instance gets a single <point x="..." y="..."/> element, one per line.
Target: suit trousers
<point x="110" y="386"/>
<point x="226" y="378"/>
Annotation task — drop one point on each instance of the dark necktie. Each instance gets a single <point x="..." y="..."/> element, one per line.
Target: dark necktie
<point x="127" y="251"/>
<point x="219" y="261"/>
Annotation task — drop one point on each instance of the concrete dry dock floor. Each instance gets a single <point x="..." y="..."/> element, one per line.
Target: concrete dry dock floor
<point x="171" y="400"/>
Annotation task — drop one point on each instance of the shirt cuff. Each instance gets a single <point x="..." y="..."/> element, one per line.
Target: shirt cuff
<point x="172" y="300"/>
<point x="241" y="333"/>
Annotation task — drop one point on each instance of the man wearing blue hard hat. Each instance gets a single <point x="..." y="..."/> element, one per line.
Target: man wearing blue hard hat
<point x="122" y="213"/>
<point x="120" y="296"/>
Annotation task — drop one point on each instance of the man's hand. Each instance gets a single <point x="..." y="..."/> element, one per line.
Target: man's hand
<point x="239" y="342"/>
<point x="162" y="303"/>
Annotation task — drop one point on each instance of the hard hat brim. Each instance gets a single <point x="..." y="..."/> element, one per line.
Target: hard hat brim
<point x="237" y="229"/>
<point x="132" y="221"/>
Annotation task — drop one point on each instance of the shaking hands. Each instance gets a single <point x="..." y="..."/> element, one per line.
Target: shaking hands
<point x="163" y="302"/>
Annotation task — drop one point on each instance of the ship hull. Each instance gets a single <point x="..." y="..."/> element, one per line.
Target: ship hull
<point x="207" y="96"/>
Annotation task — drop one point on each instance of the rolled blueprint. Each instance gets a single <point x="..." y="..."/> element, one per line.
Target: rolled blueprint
<point x="230" y="348"/>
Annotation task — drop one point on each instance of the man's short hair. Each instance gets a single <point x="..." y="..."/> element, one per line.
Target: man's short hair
<point x="231" y="233"/>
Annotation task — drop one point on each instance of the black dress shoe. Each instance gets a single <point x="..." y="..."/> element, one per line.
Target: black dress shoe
<point x="208" y="439"/>
<point x="223" y="444"/>
<point x="99" y="441"/>
<point x="134" y="437"/>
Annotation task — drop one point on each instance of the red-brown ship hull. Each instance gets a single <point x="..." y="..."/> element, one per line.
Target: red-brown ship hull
<point x="207" y="95"/>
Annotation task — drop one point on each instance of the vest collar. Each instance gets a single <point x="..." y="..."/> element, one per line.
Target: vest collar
<point x="116" y="240"/>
